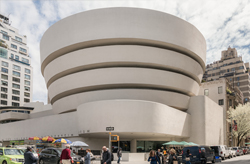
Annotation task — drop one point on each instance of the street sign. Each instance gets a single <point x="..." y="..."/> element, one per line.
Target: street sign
<point x="110" y="128"/>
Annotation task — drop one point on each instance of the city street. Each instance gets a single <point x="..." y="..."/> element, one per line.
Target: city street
<point x="236" y="160"/>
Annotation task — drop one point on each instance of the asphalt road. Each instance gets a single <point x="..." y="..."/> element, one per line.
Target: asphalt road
<point x="245" y="159"/>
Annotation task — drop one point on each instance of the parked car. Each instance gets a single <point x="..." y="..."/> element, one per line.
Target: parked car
<point x="52" y="156"/>
<point x="196" y="154"/>
<point x="238" y="150"/>
<point x="232" y="152"/>
<point x="246" y="150"/>
<point x="223" y="151"/>
<point x="11" y="156"/>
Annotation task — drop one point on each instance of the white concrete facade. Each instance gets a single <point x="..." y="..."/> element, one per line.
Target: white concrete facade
<point x="16" y="72"/>
<point x="139" y="75"/>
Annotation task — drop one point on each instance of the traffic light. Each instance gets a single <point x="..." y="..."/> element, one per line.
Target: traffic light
<point x="114" y="138"/>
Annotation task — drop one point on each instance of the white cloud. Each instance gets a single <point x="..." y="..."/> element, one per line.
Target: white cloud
<point x="222" y="22"/>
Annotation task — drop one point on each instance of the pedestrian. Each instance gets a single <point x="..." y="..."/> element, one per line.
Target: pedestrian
<point x="153" y="158"/>
<point x="106" y="156"/>
<point x="203" y="156"/>
<point x="87" y="158"/>
<point x="172" y="157"/>
<point x="188" y="157"/>
<point x="29" y="157"/>
<point x="65" y="157"/>
<point x="119" y="154"/>
<point x="158" y="154"/>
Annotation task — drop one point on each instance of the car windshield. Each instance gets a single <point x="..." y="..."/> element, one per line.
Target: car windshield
<point x="235" y="148"/>
<point x="24" y="150"/>
<point x="12" y="152"/>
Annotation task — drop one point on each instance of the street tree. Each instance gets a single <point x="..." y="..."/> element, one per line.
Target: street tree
<point x="241" y="121"/>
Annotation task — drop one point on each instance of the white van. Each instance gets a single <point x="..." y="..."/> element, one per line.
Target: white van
<point x="222" y="150"/>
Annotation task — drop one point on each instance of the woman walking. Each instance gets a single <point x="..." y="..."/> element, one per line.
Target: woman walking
<point x="172" y="157"/>
<point x="188" y="157"/>
<point x="153" y="158"/>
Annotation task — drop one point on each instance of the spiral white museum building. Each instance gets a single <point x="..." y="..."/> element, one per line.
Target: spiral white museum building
<point x="136" y="70"/>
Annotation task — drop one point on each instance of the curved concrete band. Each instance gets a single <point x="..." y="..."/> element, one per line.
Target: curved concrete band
<point x="122" y="56"/>
<point x="152" y="118"/>
<point x="70" y="103"/>
<point x="115" y="78"/>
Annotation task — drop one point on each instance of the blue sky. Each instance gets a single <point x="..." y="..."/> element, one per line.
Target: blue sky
<point x="222" y="22"/>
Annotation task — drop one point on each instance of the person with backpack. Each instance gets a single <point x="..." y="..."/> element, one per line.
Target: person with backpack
<point x="106" y="156"/>
<point x="153" y="158"/>
<point x="119" y="155"/>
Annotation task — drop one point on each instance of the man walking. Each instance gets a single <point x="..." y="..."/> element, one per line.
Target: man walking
<point x="106" y="156"/>
<point x="65" y="157"/>
<point x="119" y="154"/>
<point x="29" y="157"/>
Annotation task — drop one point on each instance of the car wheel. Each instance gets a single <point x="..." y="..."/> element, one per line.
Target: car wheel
<point x="223" y="158"/>
<point x="4" y="162"/>
<point x="41" y="162"/>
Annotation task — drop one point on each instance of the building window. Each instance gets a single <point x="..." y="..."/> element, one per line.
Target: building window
<point x="220" y="91"/>
<point x="221" y="102"/>
<point x="3" y="102"/>
<point x="27" y="71"/>
<point x="228" y="70"/>
<point x="23" y="50"/>
<point x="238" y="78"/>
<point x="12" y="30"/>
<point x="5" y="83"/>
<point x="26" y="100"/>
<point x="13" y="46"/>
<point x="26" y="82"/>
<point x="4" y="89"/>
<point x="4" y="76"/>
<point x="27" y="77"/>
<point x="230" y="79"/>
<point x="25" y="60"/>
<point x="16" y="86"/>
<point x="206" y="92"/>
<point x="26" y="88"/>
<point x="15" y="92"/>
<point x="3" y="53"/>
<point x="16" y="80"/>
<point x="18" y="39"/>
<point x="15" y="67"/>
<point x="15" y="98"/>
<point x="4" y="96"/>
<point x="12" y="56"/>
<point x="6" y="37"/>
<point x="16" y="73"/>
<point x="241" y="67"/>
<point x="17" y="57"/>
<point x="4" y="70"/>
<point x="4" y="32"/>
<point x="233" y="69"/>
<point x="238" y="84"/>
<point x="5" y="64"/>
<point x="26" y="94"/>
<point x="230" y="102"/>
<point x="15" y="104"/>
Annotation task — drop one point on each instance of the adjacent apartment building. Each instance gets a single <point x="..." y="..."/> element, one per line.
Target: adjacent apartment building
<point x="222" y="92"/>
<point x="16" y="72"/>
<point x="233" y="69"/>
